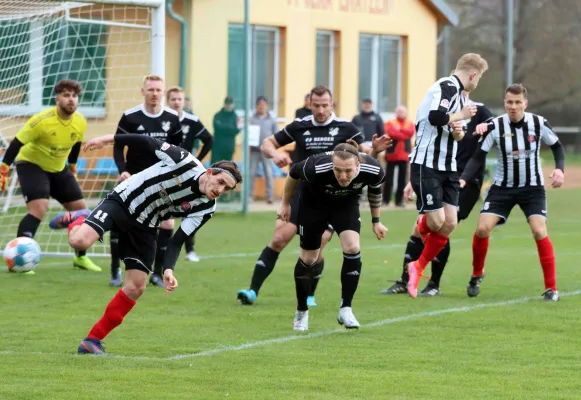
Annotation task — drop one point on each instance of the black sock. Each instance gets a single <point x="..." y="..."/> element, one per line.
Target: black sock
<point x="263" y="267"/>
<point x="317" y="272"/>
<point x="80" y="253"/>
<point x="350" y="273"/>
<point x="28" y="226"/>
<point x="114" y="242"/>
<point x="439" y="263"/>
<point x="413" y="250"/>
<point x="189" y="244"/>
<point x="163" y="238"/>
<point x="303" y="283"/>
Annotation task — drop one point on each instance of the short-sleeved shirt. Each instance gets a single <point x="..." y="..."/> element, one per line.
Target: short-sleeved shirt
<point x="48" y="139"/>
<point x="435" y="146"/>
<point x="321" y="188"/>
<point x="313" y="138"/>
<point x="519" y="144"/>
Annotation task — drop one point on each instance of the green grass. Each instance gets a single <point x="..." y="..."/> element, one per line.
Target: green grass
<point x="522" y="350"/>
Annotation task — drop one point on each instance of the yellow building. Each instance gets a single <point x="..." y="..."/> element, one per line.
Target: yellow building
<point x="381" y="49"/>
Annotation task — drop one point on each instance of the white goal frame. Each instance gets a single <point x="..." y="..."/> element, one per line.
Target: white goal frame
<point x="157" y="28"/>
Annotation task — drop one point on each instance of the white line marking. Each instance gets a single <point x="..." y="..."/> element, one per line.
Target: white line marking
<point x="284" y="339"/>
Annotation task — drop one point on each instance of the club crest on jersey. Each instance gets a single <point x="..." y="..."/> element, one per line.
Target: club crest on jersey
<point x="186" y="206"/>
<point x="445" y="103"/>
<point x="185" y="129"/>
<point x="357" y="185"/>
<point x="166" y="125"/>
<point x="532" y="138"/>
<point x="333" y="131"/>
<point x="165" y="146"/>
<point x="74" y="136"/>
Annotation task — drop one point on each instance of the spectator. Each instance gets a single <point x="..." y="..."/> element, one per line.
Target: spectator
<point x="401" y="131"/>
<point x="368" y="121"/>
<point x="225" y="131"/>
<point x="268" y="127"/>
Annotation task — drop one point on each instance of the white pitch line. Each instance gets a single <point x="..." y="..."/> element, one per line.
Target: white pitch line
<point x="284" y="339"/>
<point x="388" y="321"/>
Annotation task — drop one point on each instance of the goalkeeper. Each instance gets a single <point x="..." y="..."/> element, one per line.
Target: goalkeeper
<point x="41" y="149"/>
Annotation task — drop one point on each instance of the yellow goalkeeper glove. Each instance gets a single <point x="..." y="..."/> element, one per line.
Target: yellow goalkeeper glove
<point x="4" y="172"/>
<point x="73" y="168"/>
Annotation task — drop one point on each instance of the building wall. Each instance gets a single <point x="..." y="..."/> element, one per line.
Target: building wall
<point x="300" y="19"/>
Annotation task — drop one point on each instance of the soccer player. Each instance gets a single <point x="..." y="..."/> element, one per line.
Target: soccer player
<point x="176" y="186"/>
<point x="469" y="195"/>
<point x="518" y="181"/>
<point x="192" y="129"/>
<point x="41" y="149"/>
<point x="332" y="185"/>
<point x="433" y="159"/>
<point x="313" y="134"/>
<point x="154" y="120"/>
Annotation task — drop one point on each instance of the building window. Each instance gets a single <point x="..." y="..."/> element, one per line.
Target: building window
<point x="380" y="71"/>
<point x="58" y="51"/>
<point x="325" y="73"/>
<point x="265" y="48"/>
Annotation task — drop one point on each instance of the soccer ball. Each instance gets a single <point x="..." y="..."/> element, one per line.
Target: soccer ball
<point x="22" y="254"/>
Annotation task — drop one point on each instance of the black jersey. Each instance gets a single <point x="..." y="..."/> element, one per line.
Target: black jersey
<point x="164" y="126"/>
<point x="313" y="138"/>
<point x="193" y="129"/>
<point x="320" y="187"/>
<point x="468" y="146"/>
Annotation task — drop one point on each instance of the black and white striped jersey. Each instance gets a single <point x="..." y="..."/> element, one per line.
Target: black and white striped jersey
<point x="518" y="161"/>
<point x="167" y="189"/>
<point x="435" y="146"/>
<point x="320" y="186"/>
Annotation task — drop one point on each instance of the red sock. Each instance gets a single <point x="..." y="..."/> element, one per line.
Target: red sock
<point x="479" y="250"/>
<point x="78" y="222"/>
<point x="423" y="225"/>
<point x="116" y="310"/>
<point x="435" y="242"/>
<point x="547" y="257"/>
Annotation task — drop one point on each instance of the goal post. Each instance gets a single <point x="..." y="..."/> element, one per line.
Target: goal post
<point x="106" y="45"/>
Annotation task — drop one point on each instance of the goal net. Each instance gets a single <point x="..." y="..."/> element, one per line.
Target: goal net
<point x="107" y="46"/>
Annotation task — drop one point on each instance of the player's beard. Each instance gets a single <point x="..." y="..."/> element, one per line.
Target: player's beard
<point x="66" y="109"/>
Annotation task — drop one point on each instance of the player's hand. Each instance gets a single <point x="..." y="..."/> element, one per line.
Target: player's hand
<point x="94" y="144"/>
<point x="457" y="131"/>
<point x="557" y="178"/>
<point x="481" y="129"/>
<point x="408" y="192"/>
<point x="462" y="183"/>
<point x="170" y="281"/>
<point x="124" y="175"/>
<point x="281" y="159"/>
<point x="381" y="143"/>
<point x="284" y="212"/>
<point x="4" y="173"/>
<point x="468" y="111"/>
<point x="380" y="230"/>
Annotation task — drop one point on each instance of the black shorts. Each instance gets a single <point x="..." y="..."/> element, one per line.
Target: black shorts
<point x="136" y="242"/>
<point x="500" y="201"/>
<point x="36" y="183"/>
<point x="469" y="196"/>
<point x="434" y="188"/>
<point x="314" y="221"/>
<point x="295" y="200"/>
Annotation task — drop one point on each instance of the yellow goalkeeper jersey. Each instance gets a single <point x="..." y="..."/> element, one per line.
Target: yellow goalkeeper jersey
<point x="48" y="139"/>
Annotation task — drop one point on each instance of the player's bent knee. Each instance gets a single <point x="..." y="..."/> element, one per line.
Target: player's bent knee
<point x="351" y="249"/>
<point x="282" y="237"/>
<point x="83" y="237"/>
<point x="538" y="228"/>
<point x="135" y="280"/>
<point x="483" y="231"/>
<point x="168" y="224"/>
<point x="37" y="208"/>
